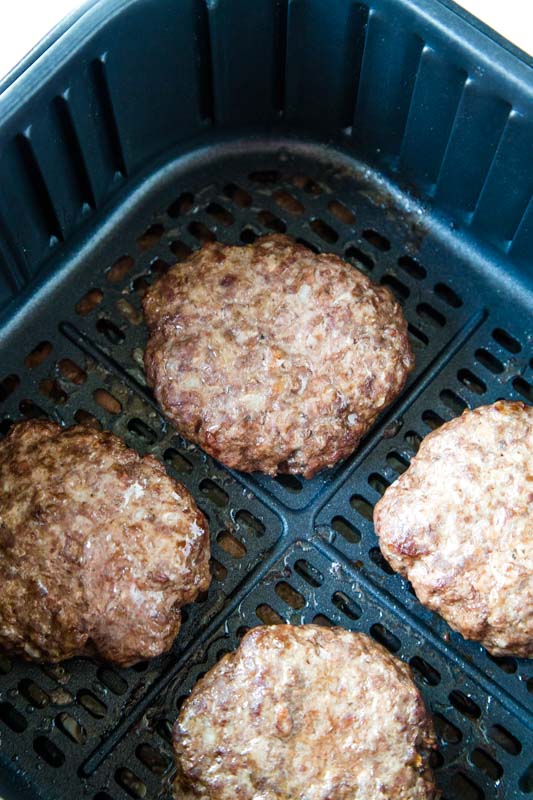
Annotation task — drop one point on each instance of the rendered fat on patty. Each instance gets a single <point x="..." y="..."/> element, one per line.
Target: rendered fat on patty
<point x="459" y="525"/>
<point x="306" y="713"/>
<point x="99" y="547"/>
<point x="271" y="357"/>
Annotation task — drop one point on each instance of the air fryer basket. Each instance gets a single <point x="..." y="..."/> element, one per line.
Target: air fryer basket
<point x="395" y="135"/>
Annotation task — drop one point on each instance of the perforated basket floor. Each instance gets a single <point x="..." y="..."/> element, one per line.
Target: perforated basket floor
<point x="282" y="548"/>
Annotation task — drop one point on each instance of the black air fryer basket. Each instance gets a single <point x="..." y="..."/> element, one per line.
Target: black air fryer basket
<point x="395" y="133"/>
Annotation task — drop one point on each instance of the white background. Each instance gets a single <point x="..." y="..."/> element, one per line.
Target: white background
<point x="24" y="22"/>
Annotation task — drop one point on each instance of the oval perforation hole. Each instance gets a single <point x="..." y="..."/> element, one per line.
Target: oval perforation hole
<point x="247" y="520"/>
<point x="159" y="267"/>
<point x="325" y="622"/>
<point x="524" y="388"/>
<point x="398" y="463"/>
<point x="5" y="426"/>
<point x="8" y="385"/>
<point x="425" y="671"/>
<point x="526" y="781"/>
<point x="218" y="571"/>
<point x="71" y="728"/>
<point x="150" y="237"/>
<point x="288" y="203"/>
<point x="453" y="401"/>
<point x="432" y="419"/>
<point x="88" y="302"/>
<point x="92" y="704"/>
<point x="312" y="247"/>
<point x="489" y="361"/>
<point x="31" y="410"/>
<point x="309" y="573"/>
<point x="430" y="314"/>
<point x="380" y="561"/>
<point x="152" y="758"/>
<point x="128" y="312"/>
<point x="182" y="205"/>
<point x="289" y="595"/>
<point x="362" y="506"/>
<point x="306" y="184"/>
<point x="471" y="381"/>
<point x="412" y="267"/>
<point x="12" y="718"/>
<point x="446" y="731"/>
<point x="465" y="705"/>
<point x="362" y="260"/>
<point x="71" y="372"/>
<point x="270" y="221"/>
<point x="177" y="461"/>
<point x="111" y="331"/>
<point x="505" y="663"/>
<point x="107" y="401"/>
<point x="220" y="214"/>
<point x="49" y="751"/>
<point x="83" y="417"/>
<point x="140" y="285"/>
<point x="39" y="354"/>
<point x="33" y="693"/>
<point x="119" y="269"/>
<point x="382" y="635"/>
<point x="267" y="615"/>
<point x="346" y="605"/>
<point x="237" y="195"/>
<point x="231" y="545"/>
<point x="142" y="431"/>
<point x="180" y="250"/>
<point x="201" y="232"/>
<point x="324" y="231"/>
<point x="465" y="788"/>
<point x="378" y="483"/>
<point x="487" y="764"/>
<point x="102" y="796"/>
<point x="417" y="336"/>
<point x="448" y="295"/>
<point x="163" y="727"/>
<point x="376" y="240"/>
<point x="507" y="341"/>
<point x="264" y="176"/>
<point x="399" y="289"/>
<point x="112" y="680"/>
<point x="342" y="213"/>
<point x="413" y="440"/>
<point x="128" y="781"/>
<point x="505" y="739"/>
<point x="5" y="664"/>
<point x="217" y="495"/>
<point x="50" y="388"/>
<point x="289" y="482"/>
<point x="346" y="529"/>
<point x="248" y="235"/>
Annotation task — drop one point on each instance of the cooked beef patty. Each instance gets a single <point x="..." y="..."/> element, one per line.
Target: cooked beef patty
<point x="99" y="547"/>
<point x="306" y="713"/>
<point x="271" y="357"/>
<point x="459" y="525"/>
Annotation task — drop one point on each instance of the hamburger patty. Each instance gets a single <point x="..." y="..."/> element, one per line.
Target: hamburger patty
<point x="99" y="547"/>
<point x="306" y="713"/>
<point x="273" y="358"/>
<point x="459" y="525"/>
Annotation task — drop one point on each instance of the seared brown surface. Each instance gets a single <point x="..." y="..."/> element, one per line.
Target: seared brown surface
<point x="98" y="547"/>
<point x="459" y="525"/>
<point x="305" y="713"/>
<point x="273" y="358"/>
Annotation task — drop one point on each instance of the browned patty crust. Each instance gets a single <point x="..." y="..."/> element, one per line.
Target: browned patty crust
<point x="459" y="525"/>
<point x="271" y="357"/>
<point x="306" y="713"/>
<point x="99" y="547"/>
